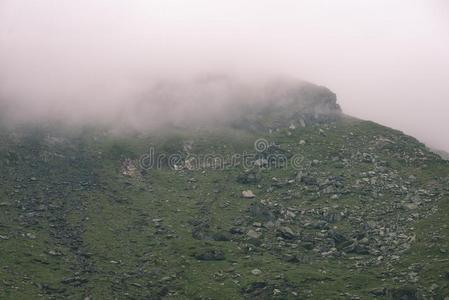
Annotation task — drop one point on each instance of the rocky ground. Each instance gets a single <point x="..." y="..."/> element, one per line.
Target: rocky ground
<point x="356" y="211"/>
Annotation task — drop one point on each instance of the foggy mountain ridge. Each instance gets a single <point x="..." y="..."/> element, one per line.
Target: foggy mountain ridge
<point x="224" y="149"/>
<point x="82" y="60"/>
<point x="202" y="100"/>
<point x="442" y="153"/>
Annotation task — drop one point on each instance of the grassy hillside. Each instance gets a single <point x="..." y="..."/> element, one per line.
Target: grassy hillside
<point x="356" y="211"/>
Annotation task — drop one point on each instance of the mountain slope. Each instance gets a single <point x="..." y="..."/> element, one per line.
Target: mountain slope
<point x="441" y="153"/>
<point x="342" y="209"/>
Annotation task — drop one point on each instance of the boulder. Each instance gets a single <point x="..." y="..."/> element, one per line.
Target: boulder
<point x="248" y="194"/>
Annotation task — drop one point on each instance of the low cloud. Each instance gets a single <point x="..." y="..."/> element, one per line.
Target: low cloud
<point x="141" y="62"/>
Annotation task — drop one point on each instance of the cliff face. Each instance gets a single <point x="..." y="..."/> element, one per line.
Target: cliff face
<point x="292" y="104"/>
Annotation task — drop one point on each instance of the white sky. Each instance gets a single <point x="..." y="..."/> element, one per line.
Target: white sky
<point x="387" y="60"/>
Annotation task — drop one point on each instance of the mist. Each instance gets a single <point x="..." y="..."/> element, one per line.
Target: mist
<point x="144" y="63"/>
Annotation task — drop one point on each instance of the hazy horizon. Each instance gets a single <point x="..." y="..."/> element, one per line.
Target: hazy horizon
<point x="387" y="61"/>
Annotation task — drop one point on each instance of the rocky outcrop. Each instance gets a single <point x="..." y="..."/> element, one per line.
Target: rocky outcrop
<point x="291" y="105"/>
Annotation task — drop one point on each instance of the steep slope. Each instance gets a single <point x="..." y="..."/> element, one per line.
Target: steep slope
<point x="334" y="208"/>
<point x="441" y="153"/>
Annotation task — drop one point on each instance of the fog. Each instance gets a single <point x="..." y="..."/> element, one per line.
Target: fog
<point x="98" y="61"/>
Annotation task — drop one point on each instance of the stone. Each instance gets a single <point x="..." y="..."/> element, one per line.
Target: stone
<point x="248" y="177"/>
<point x="402" y="293"/>
<point x="286" y="232"/>
<point x="269" y="224"/>
<point x="261" y="163"/>
<point x="308" y="180"/>
<point x="236" y="230"/>
<point x="54" y="253"/>
<point x="221" y="236"/>
<point x="253" y="234"/>
<point x="256" y="272"/>
<point x="248" y="194"/>
<point x="31" y="236"/>
<point x="411" y="206"/>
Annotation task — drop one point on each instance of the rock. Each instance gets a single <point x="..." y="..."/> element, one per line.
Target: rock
<point x="315" y="162"/>
<point x="290" y="258"/>
<point x="364" y="241"/>
<point x="256" y="272"/>
<point x="248" y="177"/>
<point x="356" y="248"/>
<point x="308" y="180"/>
<point x="269" y="225"/>
<point x="248" y="194"/>
<point x="255" y="288"/>
<point x="378" y="292"/>
<point x="253" y="234"/>
<point x="54" y="253"/>
<point x="337" y="237"/>
<point x="221" y="236"/>
<point x="236" y="230"/>
<point x="30" y="236"/>
<point x="406" y="293"/>
<point x="290" y="214"/>
<point x="260" y="163"/>
<point x="410" y="206"/>
<point x="286" y="232"/>
<point x="299" y="176"/>
<point x="367" y="158"/>
<point x="74" y="281"/>
<point x="320" y="224"/>
<point x="129" y="168"/>
<point x="260" y="212"/>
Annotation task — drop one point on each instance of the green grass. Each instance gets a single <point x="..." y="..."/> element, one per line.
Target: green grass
<point x="121" y="254"/>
